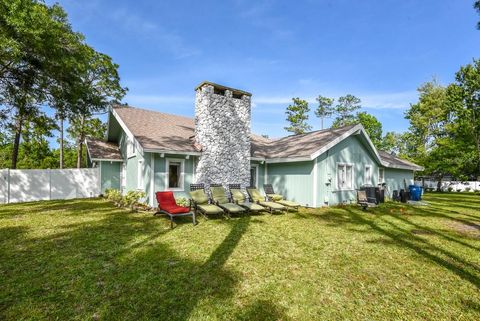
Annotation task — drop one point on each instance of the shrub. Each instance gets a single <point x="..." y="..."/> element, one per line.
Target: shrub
<point x="450" y="189"/>
<point x="467" y="189"/>
<point x="132" y="197"/>
<point x="115" y="196"/>
<point x="459" y="190"/>
<point x="182" y="201"/>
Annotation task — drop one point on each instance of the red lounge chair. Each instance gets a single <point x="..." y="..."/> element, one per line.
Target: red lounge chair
<point x="167" y="205"/>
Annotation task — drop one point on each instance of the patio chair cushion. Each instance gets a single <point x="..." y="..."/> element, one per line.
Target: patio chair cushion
<point x="252" y="206"/>
<point x="218" y="194"/>
<point x="288" y="203"/>
<point x="255" y="195"/>
<point x="233" y="208"/>
<point x="273" y="205"/>
<point x="237" y="195"/>
<point x="275" y="197"/>
<point x="166" y="202"/>
<point x="199" y="196"/>
<point x="210" y="209"/>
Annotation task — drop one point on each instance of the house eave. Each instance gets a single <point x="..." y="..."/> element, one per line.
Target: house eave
<point x="164" y="151"/>
<point x="287" y="160"/>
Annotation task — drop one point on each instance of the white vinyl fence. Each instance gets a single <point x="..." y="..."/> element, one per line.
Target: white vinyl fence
<point x="469" y="186"/>
<point x="25" y="185"/>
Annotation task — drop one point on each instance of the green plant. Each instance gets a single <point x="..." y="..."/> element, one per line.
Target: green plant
<point x="132" y="197"/>
<point x="459" y="190"/>
<point x="467" y="189"/>
<point x="182" y="201"/>
<point x="115" y="196"/>
<point x="450" y="189"/>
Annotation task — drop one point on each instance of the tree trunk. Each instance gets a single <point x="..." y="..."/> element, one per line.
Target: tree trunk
<point x="61" y="142"/>
<point x="79" y="153"/>
<point x="16" y="141"/>
<point x="81" y="138"/>
<point x="439" y="184"/>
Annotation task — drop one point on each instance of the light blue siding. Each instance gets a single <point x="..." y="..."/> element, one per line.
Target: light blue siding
<point x="292" y="180"/>
<point x="110" y="175"/>
<point x="394" y="178"/>
<point x="351" y="150"/>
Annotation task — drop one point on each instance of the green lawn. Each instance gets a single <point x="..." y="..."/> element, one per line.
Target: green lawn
<point x="84" y="259"/>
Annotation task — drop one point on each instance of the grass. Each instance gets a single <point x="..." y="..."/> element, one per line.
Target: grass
<point x="86" y="260"/>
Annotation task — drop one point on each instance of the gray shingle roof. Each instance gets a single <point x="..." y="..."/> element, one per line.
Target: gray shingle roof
<point x="167" y="132"/>
<point x="395" y="162"/>
<point x="156" y="130"/>
<point x="296" y="146"/>
<point x="99" y="149"/>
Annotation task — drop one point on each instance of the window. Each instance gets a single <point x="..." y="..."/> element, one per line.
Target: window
<point x="175" y="174"/>
<point x="130" y="148"/>
<point x="381" y="175"/>
<point x="140" y="171"/>
<point x="344" y="176"/>
<point x="254" y="176"/>
<point x="368" y="175"/>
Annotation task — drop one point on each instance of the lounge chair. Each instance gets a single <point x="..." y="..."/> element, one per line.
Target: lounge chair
<point x="239" y="198"/>
<point x="277" y="198"/>
<point x="201" y="203"/>
<point x="362" y="200"/>
<point x="168" y="206"/>
<point x="219" y="197"/>
<point x="256" y="197"/>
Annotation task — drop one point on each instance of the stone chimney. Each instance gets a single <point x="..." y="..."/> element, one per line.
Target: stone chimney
<point x="222" y="128"/>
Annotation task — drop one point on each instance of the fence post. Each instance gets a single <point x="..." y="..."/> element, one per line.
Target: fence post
<point x="49" y="184"/>
<point x="8" y="185"/>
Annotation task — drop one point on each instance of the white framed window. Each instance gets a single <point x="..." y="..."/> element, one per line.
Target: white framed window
<point x="130" y="147"/>
<point x="368" y="174"/>
<point x="175" y="174"/>
<point x="344" y="176"/>
<point x="381" y="175"/>
<point x="140" y="170"/>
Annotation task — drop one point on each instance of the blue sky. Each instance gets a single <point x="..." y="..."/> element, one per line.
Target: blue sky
<point x="380" y="51"/>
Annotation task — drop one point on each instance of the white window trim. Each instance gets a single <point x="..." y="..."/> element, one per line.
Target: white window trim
<point x="140" y="173"/>
<point x="382" y="180"/>
<point x="131" y="150"/>
<point x="365" y="181"/>
<point x="256" y="174"/>
<point x="353" y="177"/>
<point x="182" y="174"/>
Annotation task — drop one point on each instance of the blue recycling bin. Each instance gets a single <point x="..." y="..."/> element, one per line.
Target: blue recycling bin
<point x="415" y="192"/>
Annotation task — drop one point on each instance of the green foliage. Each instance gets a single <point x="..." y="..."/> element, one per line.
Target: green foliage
<point x="344" y="110"/>
<point x="115" y="196"/>
<point x="297" y="116"/>
<point x="325" y="108"/>
<point x="476" y="6"/>
<point x="43" y="61"/>
<point x="132" y="198"/>
<point x="182" y="201"/>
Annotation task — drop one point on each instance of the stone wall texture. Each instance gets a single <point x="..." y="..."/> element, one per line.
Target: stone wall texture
<point x="222" y="128"/>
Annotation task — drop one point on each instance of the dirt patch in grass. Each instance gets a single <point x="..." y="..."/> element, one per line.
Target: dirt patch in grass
<point x="471" y="229"/>
<point x="422" y="232"/>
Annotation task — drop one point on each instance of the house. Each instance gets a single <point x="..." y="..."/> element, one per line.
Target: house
<point x="155" y="151"/>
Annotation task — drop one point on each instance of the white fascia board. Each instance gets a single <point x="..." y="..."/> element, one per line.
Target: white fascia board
<point x="106" y="160"/>
<point x="128" y="132"/>
<point x="358" y="129"/>
<point x="259" y="159"/>
<point x="417" y="168"/>
<point x="287" y="160"/>
<point x="163" y="151"/>
<point x="88" y="150"/>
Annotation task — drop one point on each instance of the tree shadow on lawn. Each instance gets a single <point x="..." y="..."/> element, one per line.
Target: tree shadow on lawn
<point x="119" y="268"/>
<point x="404" y="238"/>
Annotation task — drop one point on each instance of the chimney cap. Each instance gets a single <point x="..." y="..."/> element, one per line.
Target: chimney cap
<point x="233" y="90"/>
